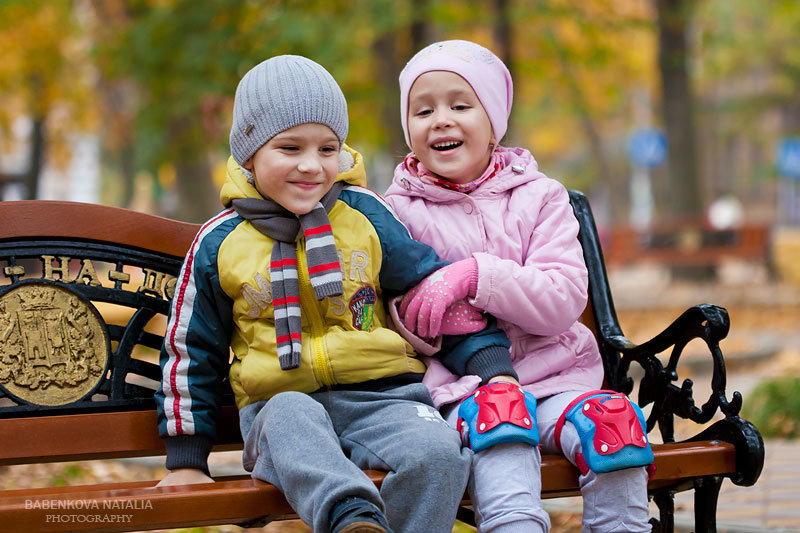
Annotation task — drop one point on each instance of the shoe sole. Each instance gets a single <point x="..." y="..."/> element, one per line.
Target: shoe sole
<point x="362" y="527"/>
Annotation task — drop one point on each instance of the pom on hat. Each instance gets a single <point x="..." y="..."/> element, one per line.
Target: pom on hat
<point x="280" y="93"/>
<point x="483" y="70"/>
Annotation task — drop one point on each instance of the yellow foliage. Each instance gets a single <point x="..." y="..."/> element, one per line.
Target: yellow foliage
<point x="45" y="66"/>
<point x="219" y="172"/>
<point x="167" y="176"/>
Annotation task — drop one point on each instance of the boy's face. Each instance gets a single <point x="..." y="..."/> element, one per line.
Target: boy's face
<point x="297" y="166"/>
<point x="449" y="130"/>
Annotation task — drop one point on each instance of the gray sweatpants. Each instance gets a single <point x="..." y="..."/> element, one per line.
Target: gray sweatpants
<point x="313" y="447"/>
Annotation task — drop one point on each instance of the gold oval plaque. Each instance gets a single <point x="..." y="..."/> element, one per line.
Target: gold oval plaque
<point x="53" y="345"/>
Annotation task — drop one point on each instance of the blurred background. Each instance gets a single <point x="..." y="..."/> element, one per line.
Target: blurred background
<point x="679" y="119"/>
<point x="656" y="109"/>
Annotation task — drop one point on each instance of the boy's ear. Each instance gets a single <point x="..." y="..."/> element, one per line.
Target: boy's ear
<point x="248" y="164"/>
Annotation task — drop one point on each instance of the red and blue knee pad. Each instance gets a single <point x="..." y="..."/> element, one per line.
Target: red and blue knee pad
<point x="497" y="413"/>
<point x="612" y="432"/>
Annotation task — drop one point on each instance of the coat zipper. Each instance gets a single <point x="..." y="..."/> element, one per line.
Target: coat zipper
<point x="312" y="313"/>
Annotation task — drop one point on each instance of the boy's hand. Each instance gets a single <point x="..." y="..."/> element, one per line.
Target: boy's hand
<point x="462" y="318"/>
<point x="504" y="379"/>
<point x="184" y="476"/>
<point x="424" y="306"/>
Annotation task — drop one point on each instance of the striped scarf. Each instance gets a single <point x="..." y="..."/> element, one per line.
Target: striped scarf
<point x="323" y="262"/>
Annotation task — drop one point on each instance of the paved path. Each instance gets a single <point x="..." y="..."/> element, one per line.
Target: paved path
<point x="772" y="504"/>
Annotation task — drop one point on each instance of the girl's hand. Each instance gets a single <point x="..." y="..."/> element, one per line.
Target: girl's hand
<point x="462" y="318"/>
<point x="424" y="306"/>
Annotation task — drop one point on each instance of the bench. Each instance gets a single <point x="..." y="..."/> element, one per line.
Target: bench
<point x="688" y="244"/>
<point x="84" y="290"/>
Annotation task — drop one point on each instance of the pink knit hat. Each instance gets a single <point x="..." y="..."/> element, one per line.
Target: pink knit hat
<point x="483" y="70"/>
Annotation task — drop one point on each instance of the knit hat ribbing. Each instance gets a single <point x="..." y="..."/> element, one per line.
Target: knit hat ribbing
<point x="280" y="93"/>
<point x="483" y="70"/>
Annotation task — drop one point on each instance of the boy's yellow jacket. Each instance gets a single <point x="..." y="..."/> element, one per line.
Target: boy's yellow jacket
<point x="223" y="304"/>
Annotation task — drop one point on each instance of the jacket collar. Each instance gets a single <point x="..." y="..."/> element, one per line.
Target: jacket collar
<point x="520" y="167"/>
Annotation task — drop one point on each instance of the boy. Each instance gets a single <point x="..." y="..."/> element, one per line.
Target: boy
<point x="292" y="277"/>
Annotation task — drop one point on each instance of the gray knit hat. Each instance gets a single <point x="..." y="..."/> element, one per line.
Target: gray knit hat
<point x="280" y="93"/>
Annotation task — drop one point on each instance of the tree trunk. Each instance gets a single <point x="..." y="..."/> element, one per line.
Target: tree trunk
<point x="503" y="38"/>
<point x="587" y="122"/>
<point x="36" y="158"/>
<point x="677" y="106"/>
<point x="128" y="174"/>
<point x="421" y="34"/>
<point x="197" y="198"/>
<point x="385" y="52"/>
<point x="193" y="197"/>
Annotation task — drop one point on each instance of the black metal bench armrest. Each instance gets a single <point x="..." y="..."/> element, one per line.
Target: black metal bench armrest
<point x="706" y="322"/>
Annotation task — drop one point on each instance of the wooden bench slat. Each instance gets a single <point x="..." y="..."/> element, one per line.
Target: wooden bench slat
<point x="242" y="499"/>
<point x="674" y="462"/>
<point x="147" y="507"/>
<point x="78" y="437"/>
<point x="134" y="434"/>
<point x="55" y="219"/>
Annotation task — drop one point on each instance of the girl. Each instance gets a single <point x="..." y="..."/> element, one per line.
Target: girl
<point x="511" y="231"/>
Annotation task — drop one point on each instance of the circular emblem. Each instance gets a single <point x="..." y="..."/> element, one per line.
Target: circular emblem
<point x="53" y="345"/>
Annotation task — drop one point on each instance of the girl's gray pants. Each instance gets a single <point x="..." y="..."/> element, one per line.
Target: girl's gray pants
<point x="506" y="483"/>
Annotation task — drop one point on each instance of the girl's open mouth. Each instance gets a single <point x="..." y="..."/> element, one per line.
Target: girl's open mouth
<point x="447" y="145"/>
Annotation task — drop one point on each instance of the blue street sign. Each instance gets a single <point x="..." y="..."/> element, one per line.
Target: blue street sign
<point x="647" y="148"/>
<point x="788" y="157"/>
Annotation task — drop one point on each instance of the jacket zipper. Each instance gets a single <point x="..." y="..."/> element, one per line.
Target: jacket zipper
<point x="312" y="313"/>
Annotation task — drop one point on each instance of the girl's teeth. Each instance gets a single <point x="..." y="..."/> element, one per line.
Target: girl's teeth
<point x="446" y="145"/>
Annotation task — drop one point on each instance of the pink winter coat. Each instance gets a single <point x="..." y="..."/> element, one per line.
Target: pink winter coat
<point x="520" y="228"/>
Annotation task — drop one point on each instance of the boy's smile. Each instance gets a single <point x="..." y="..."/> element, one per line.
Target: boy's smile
<point x="297" y="167"/>
<point x="449" y="130"/>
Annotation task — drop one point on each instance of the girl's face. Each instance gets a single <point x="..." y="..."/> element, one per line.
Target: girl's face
<point x="449" y="130"/>
<point x="297" y="167"/>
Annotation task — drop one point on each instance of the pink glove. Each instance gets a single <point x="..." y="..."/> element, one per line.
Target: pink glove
<point x="462" y="318"/>
<point x="424" y="306"/>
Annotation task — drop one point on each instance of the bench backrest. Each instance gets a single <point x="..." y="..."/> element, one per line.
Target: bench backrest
<point x="84" y="293"/>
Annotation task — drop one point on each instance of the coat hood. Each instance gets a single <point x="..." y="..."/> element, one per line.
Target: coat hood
<point x="519" y="167"/>
<point x="351" y="171"/>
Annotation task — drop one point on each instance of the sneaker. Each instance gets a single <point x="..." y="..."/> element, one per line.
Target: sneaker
<point x="357" y="515"/>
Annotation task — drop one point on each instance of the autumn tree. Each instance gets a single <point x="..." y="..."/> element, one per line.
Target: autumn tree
<point x="685" y="192"/>
<point x="750" y="90"/>
<point x="43" y="71"/>
<point x="185" y="60"/>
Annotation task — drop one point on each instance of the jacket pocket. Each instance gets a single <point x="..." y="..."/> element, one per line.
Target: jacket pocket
<point x="357" y="356"/>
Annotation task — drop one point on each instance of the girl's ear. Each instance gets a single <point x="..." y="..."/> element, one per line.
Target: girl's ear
<point x="248" y="164"/>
